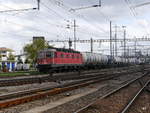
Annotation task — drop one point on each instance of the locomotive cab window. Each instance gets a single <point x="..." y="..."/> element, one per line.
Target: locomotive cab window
<point x="49" y="54"/>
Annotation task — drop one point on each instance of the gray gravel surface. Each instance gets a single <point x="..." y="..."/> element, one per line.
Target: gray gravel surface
<point x="11" y="89"/>
<point x="46" y="100"/>
<point x="73" y="105"/>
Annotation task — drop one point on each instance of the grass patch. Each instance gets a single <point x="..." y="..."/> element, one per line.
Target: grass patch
<point x="20" y="73"/>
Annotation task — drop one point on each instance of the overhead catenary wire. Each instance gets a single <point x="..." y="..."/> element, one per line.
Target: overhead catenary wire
<point x="142" y="4"/>
<point x="45" y="5"/>
<point x="83" y="31"/>
<point x="42" y="3"/>
<point x="32" y="28"/>
<point x="16" y="10"/>
<point x="130" y="8"/>
<point x="60" y="15"/>
<point x="107" y="19"/>
<point x="83" y="18"/>
<point x="55" y="11"/>
<point x="133" y="13"/>
<point x="29" y="26"/>
<point x="65" y="7"/>
<point x="21" y="25"/>
<point x="20" y="10"/>
<point x="100" y="12"/>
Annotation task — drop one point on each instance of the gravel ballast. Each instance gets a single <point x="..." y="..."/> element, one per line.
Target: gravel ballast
<point x="71" y="105"/>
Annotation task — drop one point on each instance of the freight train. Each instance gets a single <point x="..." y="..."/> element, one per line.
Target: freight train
<point x="58" y="59"/>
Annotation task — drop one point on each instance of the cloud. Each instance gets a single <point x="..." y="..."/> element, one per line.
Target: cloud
<point x="143" y="22"/>
<point x="54" y="15"/>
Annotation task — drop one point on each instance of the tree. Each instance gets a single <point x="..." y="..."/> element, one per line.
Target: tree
<point x="11" y="56"/>
<point x="27" y="61"/>
<point x="33" y="48"/>
<point x="19" y="61"/>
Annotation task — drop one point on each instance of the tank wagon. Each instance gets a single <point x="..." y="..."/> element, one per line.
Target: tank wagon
<point x="67" y="59"/>
<point x="118" y="61"/>
<point x="94" y="60"/>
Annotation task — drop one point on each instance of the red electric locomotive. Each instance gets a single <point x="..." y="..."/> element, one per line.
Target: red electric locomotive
<point x="58" y="59"/>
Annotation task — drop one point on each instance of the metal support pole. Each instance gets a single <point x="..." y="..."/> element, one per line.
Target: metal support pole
<point x="116" y="41"/>
<point x="128" y="55"/>
<point x="135" y="47"/>
<point x="91" y="45"/>
<point x="100" y="3"/>
<point x="124" y="43"/>
<point x="70" y="43"/>
<point x="74" y="34"/>
<point x="113" y="50"/>
<point x="38" y="3"/>
<point x="111" y="39"/>
<point x="124" y="39"/>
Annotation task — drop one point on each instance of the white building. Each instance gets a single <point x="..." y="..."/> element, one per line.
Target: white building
<point x="4" y="58"/>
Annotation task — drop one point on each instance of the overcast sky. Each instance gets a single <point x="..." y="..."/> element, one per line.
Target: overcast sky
<point x="18" y="28"/>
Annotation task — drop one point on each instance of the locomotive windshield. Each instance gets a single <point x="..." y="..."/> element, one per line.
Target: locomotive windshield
<point x="49" y="54"/>
<point x="46" y="54"/>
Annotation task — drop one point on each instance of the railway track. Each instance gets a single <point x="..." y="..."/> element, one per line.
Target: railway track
<point x="59" y="77"/>
<point x="131" y="102"/>
<point x="21" y="97"/>
<point x="126" y="107"/>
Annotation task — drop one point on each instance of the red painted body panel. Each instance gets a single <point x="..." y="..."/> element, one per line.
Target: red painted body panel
<point x="62" y="58"/>
<point x="68" y="58"/>
<point x="45" y="61"/>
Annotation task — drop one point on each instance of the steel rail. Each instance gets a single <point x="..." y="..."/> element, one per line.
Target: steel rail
<point x="25" y="92"/>
<point x="110" y="93"/>
<point x="40" y="94"/>
<point x="34" y="90"/>
<point x="21" y="81"/>
<point x="43" y="79"/>
<point x="29" y="80"/>
<point x="124" y="110"/>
